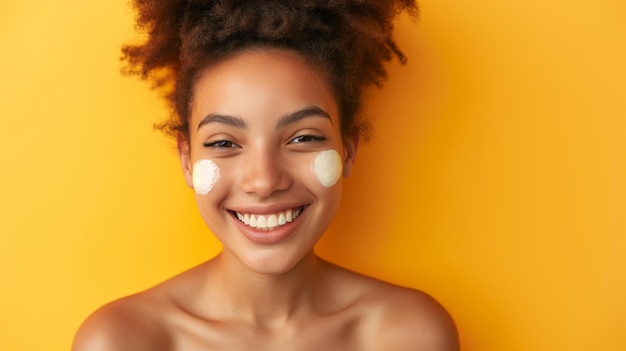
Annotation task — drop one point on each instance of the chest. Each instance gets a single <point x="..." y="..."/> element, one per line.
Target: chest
<point x="327" y="334"/>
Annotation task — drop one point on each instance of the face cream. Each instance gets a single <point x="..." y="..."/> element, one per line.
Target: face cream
<point x="327" y="167"/>
<point x="205" y="174"/>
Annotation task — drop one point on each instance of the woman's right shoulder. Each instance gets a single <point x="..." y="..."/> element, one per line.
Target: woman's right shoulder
<point x="143" y="321"/>
<point x="130" y="323"/>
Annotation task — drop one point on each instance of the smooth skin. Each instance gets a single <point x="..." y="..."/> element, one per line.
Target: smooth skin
<point x="262" y="116"/>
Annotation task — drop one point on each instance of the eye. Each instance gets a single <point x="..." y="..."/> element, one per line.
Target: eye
<point x="221" y="144"/>
<point x="307" y="139"/>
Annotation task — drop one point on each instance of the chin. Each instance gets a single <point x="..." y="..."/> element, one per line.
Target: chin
<point x="274" y="261"/>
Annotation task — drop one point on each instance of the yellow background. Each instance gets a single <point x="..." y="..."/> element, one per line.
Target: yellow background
<point x="495" y="180"/>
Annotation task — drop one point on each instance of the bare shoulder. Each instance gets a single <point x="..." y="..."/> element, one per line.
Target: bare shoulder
<point x="138" y="322"/>
<point x="399" y="318"/>
<point x="409" y="319"/>
<point x="125" y="324"/>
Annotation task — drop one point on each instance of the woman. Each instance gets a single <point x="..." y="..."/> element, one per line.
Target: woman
<point x="266" y="95"/>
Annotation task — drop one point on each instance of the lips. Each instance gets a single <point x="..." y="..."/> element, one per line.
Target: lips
<point x="269" y="221"/>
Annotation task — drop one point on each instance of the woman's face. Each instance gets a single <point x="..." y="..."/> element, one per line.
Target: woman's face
<point x="263" y="128"/>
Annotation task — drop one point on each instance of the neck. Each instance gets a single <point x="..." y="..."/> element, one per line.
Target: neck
<point x="263" y="299"/>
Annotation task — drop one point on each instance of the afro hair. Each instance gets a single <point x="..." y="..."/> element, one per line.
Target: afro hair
<point x="348" y="40"/>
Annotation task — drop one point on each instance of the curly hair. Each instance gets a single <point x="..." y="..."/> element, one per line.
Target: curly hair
<point x="348" y="40"/>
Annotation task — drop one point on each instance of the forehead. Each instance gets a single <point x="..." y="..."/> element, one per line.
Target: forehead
<point x="265" y="82"/>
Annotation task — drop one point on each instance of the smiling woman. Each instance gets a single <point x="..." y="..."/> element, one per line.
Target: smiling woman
<point x="265" y="155"/>
<point x="267" y="95"/>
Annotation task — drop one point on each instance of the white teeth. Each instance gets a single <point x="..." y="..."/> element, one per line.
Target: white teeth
<point x="261" y="222"/>
<point x="269" y="222"/>
<point x="272" y="221"/>
<point x="281" y="219"/>
<point x="252" y="221"/>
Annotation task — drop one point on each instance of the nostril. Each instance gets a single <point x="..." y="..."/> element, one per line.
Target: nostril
<point x="264" y="178"/>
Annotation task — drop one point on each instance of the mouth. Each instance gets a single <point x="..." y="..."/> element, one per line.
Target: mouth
<point x="268" y="221"/>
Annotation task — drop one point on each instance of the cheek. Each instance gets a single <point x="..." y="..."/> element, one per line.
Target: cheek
<point x="327" y="167"/>
<point x="205" y="175"/>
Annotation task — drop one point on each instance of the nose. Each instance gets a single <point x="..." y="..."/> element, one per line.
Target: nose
<point x="263" y="173"/>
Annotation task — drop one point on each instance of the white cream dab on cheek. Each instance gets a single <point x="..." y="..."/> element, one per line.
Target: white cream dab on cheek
<point x="205" y="174"/>
<point x="327" y="167"/>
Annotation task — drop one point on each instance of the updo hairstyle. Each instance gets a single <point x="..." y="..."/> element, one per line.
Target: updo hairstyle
<point x="348" y="40"/>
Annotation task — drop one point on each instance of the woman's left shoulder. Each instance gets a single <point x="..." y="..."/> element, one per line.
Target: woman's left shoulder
<point x="408" y="319"/>
<point x="394" y="317"/>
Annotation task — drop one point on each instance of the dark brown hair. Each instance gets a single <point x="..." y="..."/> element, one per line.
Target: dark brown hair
<point x="349" y="40"/>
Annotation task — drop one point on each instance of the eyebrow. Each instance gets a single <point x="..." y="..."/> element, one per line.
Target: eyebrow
<point x="232" y="121"/>
<point x="238" y="122"/>
<point x="294" y="117"/>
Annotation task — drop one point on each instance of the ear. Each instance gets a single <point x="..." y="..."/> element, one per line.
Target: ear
<point x="184" y="155"/>
<point x="350" y="146"/>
